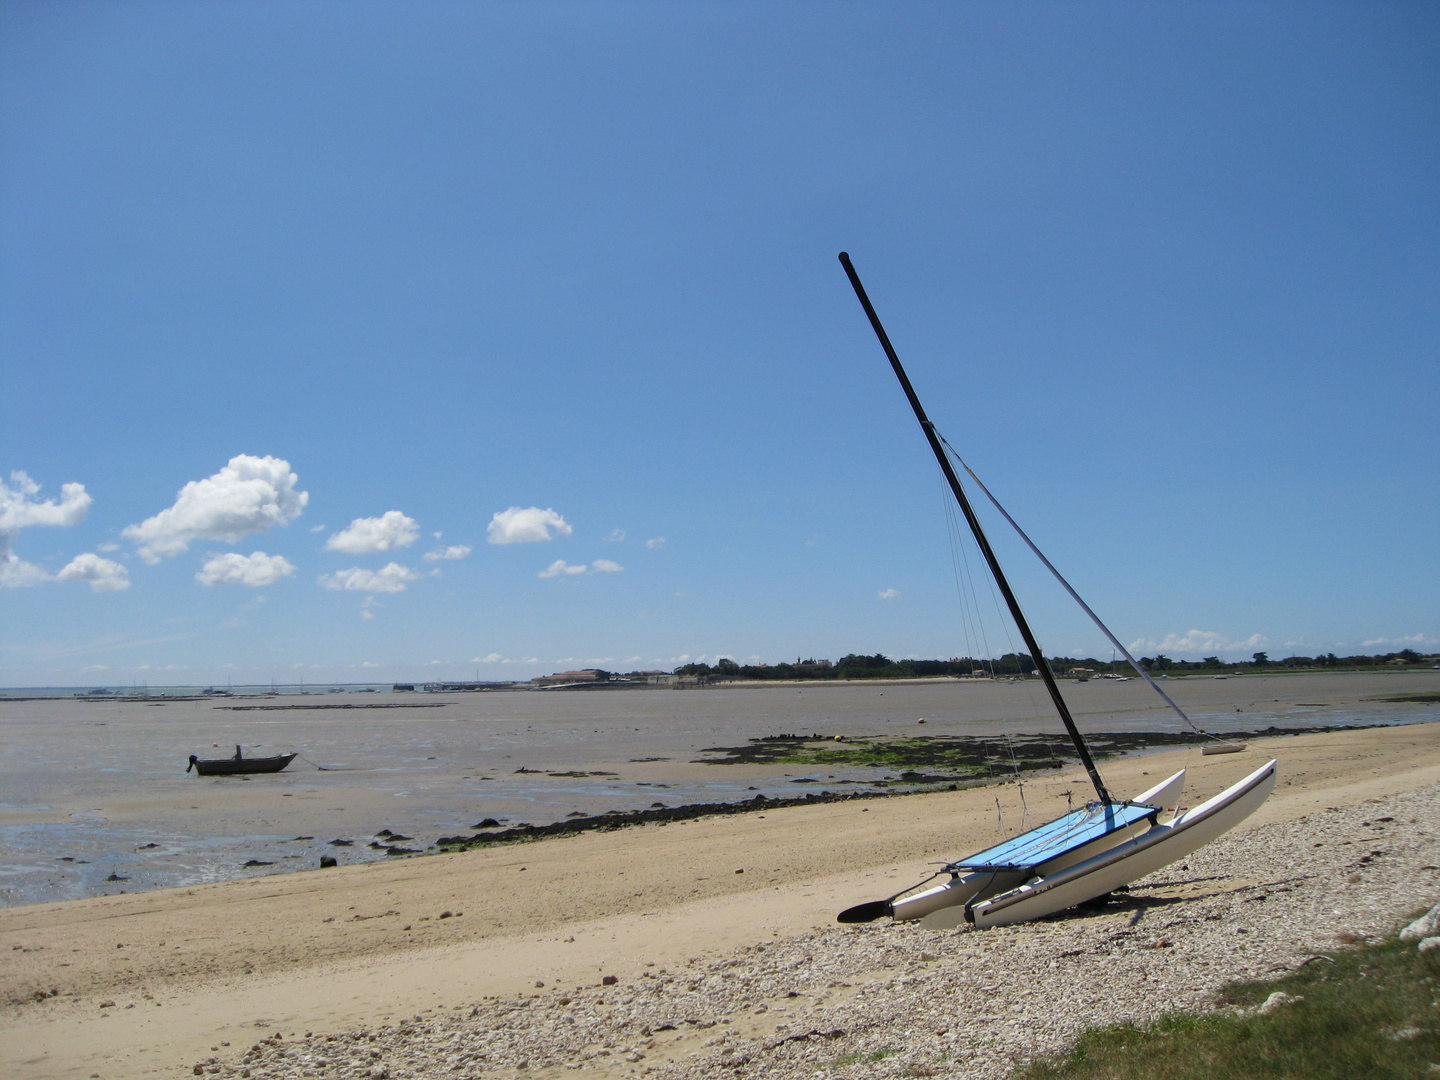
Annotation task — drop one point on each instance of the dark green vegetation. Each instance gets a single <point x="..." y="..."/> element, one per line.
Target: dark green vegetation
<point x="970" y="757"/>
<point x="1421" y="698"/>
<point x="620" y="819"/>
<point x="879" y="666"/>
<point x="855" y="666"/>
<point x="1367" y="1012"/>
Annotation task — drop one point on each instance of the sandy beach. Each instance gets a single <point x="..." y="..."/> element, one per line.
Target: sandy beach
<point x="155" y="983"/>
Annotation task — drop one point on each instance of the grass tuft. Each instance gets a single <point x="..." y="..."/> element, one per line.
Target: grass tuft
<point x="1371" y="1013"/>
<point x="862" y="1058"/>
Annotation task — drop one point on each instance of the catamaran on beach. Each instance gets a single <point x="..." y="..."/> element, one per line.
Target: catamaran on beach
<point x="1088" y="852"/>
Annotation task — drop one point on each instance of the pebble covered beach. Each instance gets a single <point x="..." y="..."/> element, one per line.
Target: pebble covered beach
<point x="889" y="999"/>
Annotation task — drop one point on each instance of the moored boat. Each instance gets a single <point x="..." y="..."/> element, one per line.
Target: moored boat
<point x="239" y="764"/>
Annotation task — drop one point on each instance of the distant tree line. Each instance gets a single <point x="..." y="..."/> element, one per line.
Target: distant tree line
<point x="1259" y="660"/>
<point x="880" y="666"/>
<point x="857" y="666"/>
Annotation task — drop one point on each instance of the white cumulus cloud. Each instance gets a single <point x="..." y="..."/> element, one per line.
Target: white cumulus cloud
<point x="1411" y="641"/>
<point x="529" y="525"/>
<point x="19" y="509"/>
<point x="249" y="495"/>
<point x="103" y="575"/>
<point x="489" y="658"/>
<point x="389" y="578"/>
<point x="616" y="535"/>
<point x="655" y="542"/>
<point x="454" y="551"/>
<point x="255" y="569"/>
<point x="560" y="568"/>
<point x="889" y="594"/>
<point x="1200" y="641"/>
<point x="16" y="573"/>
<point x="365" y="536"/>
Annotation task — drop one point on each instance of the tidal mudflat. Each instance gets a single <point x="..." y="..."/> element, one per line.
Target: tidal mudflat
<point x="96" y="799"/>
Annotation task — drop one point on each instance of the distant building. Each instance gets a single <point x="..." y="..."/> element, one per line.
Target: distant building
<point x="403" y="688"/>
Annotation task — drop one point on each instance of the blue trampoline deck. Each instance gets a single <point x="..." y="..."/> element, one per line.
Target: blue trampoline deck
<point x="1049" y="841"/>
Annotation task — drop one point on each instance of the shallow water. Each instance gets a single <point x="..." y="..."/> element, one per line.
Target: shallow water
<point x="91" y="789"/>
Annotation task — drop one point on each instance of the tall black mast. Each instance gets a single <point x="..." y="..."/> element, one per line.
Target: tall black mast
<point x="959" y="492"/>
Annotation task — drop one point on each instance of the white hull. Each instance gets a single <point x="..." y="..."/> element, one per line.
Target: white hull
<point x="1126" y="862"/>
<point x="970" y="888"/>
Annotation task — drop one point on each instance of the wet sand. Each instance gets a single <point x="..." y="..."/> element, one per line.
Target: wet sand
<point x="193" y="968"/>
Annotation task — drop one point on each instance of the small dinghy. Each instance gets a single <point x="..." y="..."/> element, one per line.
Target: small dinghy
<point x="1089" y="852"/>
<point x="238" y="764"/>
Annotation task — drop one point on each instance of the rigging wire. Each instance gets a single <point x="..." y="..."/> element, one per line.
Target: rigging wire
<point x="960" y="562"/>
<point x="1035" y="710"/>
<point x="965" y="627"/>
<point x="1073" y="594"/>
<point x="1019" y="784"/>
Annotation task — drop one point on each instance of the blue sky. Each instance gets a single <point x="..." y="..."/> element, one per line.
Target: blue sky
<point x="367" y="273"/>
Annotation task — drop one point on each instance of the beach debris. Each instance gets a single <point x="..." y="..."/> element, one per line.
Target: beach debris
<point x="327" y="861"/>
<point x="117" y="877"/>
<point x="108" y="1003"/>
<point x="386" y="834"/>
<point x="1428" y="925"/>
<point x="341" y="843"/>
<point x="609" y="980"/>
<point x="486" y="823"/>
<point x="1278" y="1000"/>
<point x="1222" y="747"/>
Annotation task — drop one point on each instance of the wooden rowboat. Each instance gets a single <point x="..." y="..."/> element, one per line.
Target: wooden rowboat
<point x="238" y="764"/>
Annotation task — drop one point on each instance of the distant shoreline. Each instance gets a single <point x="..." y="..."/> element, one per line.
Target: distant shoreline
<point x="196" y="693"/>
